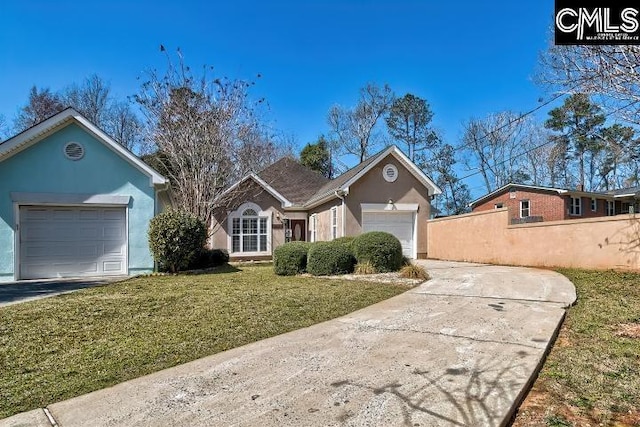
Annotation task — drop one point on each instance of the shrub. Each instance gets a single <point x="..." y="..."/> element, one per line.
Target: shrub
<point x="328" y="258"/>
<point x="381" y="249"/>
<point x="346" y="240"/>
<point x="291" y="258"/>
<point x="176" y="238"/>
<point x="208" y="258"/>
<point x="413" y="271"/>
<point x="365" y="268"/>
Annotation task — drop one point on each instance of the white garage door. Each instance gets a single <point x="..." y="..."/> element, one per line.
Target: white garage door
<point x="72" y="242"/>
<point x="400" y="224"/>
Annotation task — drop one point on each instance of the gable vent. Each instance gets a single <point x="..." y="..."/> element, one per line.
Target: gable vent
<point x="73" y="151"/>
<point x="390" y="173"/>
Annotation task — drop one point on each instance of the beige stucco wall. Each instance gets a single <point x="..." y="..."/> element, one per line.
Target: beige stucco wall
<point x="596" y="243"/>
<point x="324" y="219"/>
<point x="373" y="188"/>
<point x="255" y="194"/>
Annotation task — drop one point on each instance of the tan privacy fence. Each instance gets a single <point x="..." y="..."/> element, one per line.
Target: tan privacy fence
<point x="487" y="237"/>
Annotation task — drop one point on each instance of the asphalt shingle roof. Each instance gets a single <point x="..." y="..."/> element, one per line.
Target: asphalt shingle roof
<point x="295" y="182"/>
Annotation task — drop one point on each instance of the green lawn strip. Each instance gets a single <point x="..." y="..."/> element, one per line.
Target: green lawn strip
<point x="591" y="368"/>
<point x="65" y="346"/>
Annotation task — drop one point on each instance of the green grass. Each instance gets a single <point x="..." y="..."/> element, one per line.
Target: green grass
<point x="60" y="347"/>
<point x="591" y="372"/>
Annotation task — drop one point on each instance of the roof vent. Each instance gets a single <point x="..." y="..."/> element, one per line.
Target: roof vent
<point x="73" y="151"/>
<point x="390" y="173"/>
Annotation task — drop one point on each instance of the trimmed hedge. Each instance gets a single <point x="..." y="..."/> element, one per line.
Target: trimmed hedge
<point x="291" y="258"/>
<point x="176" y="238"/>
<point x="346" y="240"/>
<point x="329" y="258"/>
<point x="383" y="250"/>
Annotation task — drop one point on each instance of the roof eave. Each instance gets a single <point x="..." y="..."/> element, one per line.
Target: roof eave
<point x="35" y="133"/>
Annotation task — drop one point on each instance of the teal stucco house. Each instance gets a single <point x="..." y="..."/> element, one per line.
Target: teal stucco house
<point x="74" y="202"/>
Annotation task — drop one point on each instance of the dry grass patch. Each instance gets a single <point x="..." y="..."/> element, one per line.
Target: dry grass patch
<point x="60" y="347"/>
<point x="592" y="374"/>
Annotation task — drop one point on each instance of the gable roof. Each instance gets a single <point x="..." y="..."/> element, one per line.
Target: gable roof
<point x="609" y="195"/>
<point x="295" y="185"/>
<point x="293" y="181"/>
<point x="624" y="192"/>
<point x="38" y="132"/>
<point x="342" y="182"/>
<point x="510" y="185"/>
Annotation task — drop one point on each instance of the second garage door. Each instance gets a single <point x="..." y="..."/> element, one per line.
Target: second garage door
<point x="400" y="224"/>
<point x="72" y="242"/>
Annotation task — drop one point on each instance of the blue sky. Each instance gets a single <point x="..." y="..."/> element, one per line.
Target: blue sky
<point x="467" y="58"/>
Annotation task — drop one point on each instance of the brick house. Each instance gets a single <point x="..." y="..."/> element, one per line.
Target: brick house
<point x="529" y="203"/>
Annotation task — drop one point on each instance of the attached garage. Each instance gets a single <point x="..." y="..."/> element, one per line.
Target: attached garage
<point x="400" y="223"/>
<point x="72" y="241"/>
<point x="75" y="203"/>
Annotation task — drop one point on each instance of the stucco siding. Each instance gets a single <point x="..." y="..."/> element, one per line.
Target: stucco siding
<point x="43" y="168"/>
<point x="373" y="188"/>
<point x="323" y="213"/>
<point x="251" y="192"/>
<point x="487" y="237"/>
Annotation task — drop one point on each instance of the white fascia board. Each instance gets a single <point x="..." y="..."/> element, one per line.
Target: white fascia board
<point x="33" y="135"/>
<point x="285" y="203"/>
<point x="156" y="178"/>
<point x="22" y="140"/>
<point x="525" y="186"/>
<point x="408" y="164"/>
<point x="283" y="200"/>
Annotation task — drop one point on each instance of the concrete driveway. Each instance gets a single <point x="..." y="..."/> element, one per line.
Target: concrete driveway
<point x="27" y="290"/>
<point x="458" y="350"/>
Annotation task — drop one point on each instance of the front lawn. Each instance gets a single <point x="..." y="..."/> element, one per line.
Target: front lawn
<point x="65" y="346"/>
<point x="592" y="374"/>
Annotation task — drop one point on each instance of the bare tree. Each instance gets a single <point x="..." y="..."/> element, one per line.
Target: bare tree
<point x="354" y="128"/>
<point x="93" y="99"/>
<point x="496" y="145"/>
<point x="202" y="128"/>
<point x="41" y="105"/>
<point x="90" y="99"/>
<point x="536" y="158"/>
<point x="4" y="128"/>
<point x="609" y="72"/>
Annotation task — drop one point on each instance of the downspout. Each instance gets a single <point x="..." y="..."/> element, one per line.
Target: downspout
<point x="340" y="195"/>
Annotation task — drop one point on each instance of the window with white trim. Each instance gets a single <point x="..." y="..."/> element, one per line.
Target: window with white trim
<point x="313" y="220"/>
<point x="249" y="231"/>
<point x="524" y="208"/>
<point x="334" y="222"/>
<point x="575" y="206"/>
<point x="611" y="208"/>
<point x="499" y="205"/>
<point x="594" y="204"/>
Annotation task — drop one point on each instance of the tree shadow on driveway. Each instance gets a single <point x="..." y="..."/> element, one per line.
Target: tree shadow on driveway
<point x="482" y="395"/>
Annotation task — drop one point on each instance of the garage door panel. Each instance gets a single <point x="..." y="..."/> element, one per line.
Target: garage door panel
<point x="114" y="233"/>
<point x="88" y="215"/>
<point x="63" y="215"/>
<point x="400" y="224"/>
<point x="114" y="215"/>
<point x="112" y="266"/>
<point x="113" y="249"/>
<point x="68" y="242"/>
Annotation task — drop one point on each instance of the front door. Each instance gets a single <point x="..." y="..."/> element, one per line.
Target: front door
<point x="298" y="230"/>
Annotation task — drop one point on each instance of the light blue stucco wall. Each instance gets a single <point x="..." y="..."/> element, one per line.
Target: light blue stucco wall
<point x="43" y="168"/>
